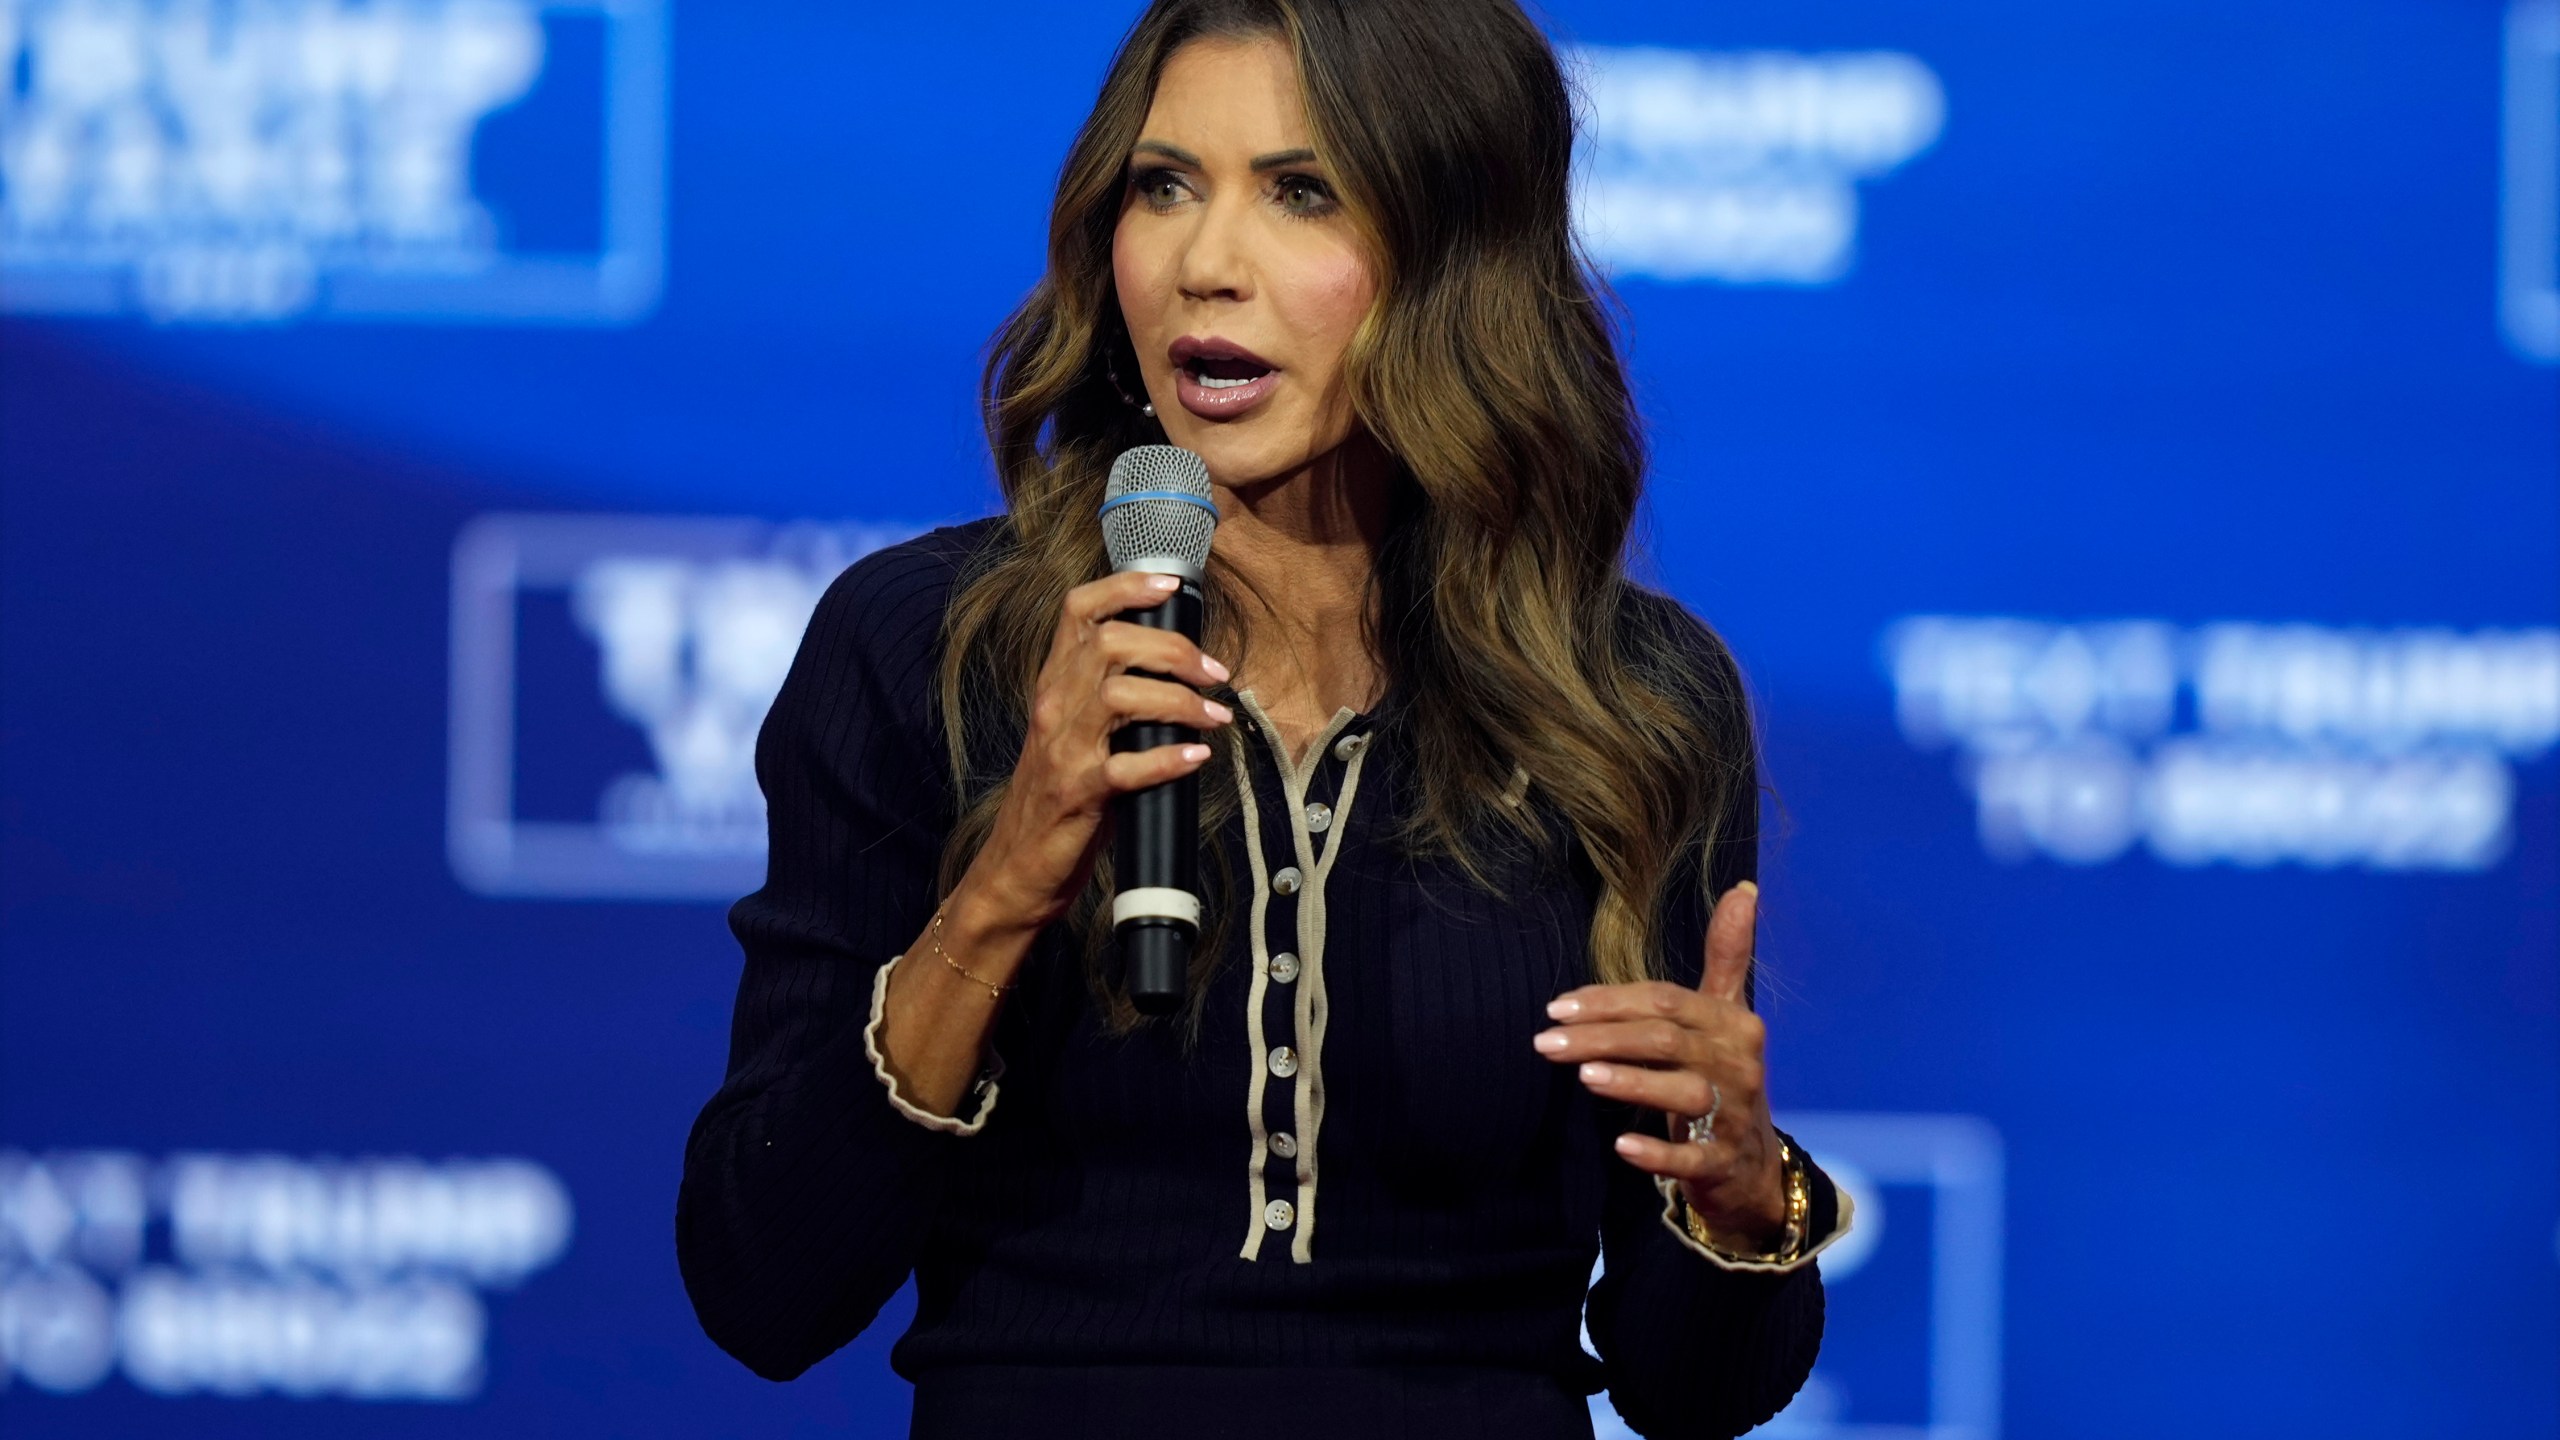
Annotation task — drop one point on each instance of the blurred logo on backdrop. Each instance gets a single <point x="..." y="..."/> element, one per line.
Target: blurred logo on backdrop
<point x="226" y="161"/>
<point x="2238" y="744"/>
<point x="1741" y="167"/>
<point x="609" y="677"/>
<point x="1911" y="1341"/>
<point x="245" y="1275"/>
<point x="2529" y="204"/>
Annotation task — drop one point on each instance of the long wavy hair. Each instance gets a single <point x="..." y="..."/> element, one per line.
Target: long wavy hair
<point x="1488" y="370"/>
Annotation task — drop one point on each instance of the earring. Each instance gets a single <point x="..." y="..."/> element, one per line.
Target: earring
<point x="1144" y="407"/>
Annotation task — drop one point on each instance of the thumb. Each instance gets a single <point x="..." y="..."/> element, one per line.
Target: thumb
<point x="1730" y="932"/>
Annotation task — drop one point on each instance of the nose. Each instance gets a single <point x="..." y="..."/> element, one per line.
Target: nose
<point x="1217" y="262"/>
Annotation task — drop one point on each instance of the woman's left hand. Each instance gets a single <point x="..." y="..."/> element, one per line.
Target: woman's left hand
<point x="1688" y="1052"/>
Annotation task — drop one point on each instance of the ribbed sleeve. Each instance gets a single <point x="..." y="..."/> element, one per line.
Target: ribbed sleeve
<point x="805" y="1193"/>
<point x="1689" y="1348"/>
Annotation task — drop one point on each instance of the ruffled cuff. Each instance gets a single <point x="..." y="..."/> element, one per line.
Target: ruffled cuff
<point x="1843" y="1210"/>
<point x="983" y="1088"/>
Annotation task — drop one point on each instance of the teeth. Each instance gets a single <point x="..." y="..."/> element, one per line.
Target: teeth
<point x="1214" y="383"/>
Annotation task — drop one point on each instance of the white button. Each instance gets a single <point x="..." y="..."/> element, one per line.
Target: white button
<point x="1279" y="1214"/>
<point x="1286" y="881"/>
<point x="1319" y="817"/>
<point x="1284" y="1061"/>
<point x="1284" y="967"/>
<point x="1284" y="1145"/>
<point x="1349" y="745"/>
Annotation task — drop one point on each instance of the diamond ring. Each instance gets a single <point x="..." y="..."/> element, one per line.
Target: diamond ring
<point x="1702" y="1128"/>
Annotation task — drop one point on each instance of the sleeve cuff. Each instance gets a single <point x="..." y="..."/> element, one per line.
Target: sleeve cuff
<point x="1672" y="1206"/>
<point x="984" y="1088"/>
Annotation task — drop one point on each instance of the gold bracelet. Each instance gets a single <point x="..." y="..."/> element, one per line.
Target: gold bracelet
<point x="1790" y="1239"/>
<point x="994" y="991"/>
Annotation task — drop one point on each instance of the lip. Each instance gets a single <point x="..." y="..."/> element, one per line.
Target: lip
<point x="1223" y="402"/>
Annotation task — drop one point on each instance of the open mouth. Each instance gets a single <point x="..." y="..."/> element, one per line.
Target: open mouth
<point x="1219" y="379"/>
<point x="1220" y="374"/>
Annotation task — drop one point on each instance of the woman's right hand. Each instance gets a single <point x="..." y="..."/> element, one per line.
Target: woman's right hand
<point x="1047" y="833"/>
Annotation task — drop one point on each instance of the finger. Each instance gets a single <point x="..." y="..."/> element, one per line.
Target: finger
<point x="1682" y="1092"/>
<point x="1643" y="1042"/>
<point x="1730" y="938"/>
<point x="1124" y="646"/>
<point x="1679" y="1160"/>
<point x="1139" y="769"/>
<point x="1129" y="590"/>
<point x="1623" y="1002"/>
<point x="1134" y="697"/>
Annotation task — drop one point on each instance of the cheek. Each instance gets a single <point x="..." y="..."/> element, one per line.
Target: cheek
<point x="1334" y="293"/>
<point x="1133" y="274"/>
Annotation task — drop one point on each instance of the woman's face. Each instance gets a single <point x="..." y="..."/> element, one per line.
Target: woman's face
<point x="1239" y="275"/>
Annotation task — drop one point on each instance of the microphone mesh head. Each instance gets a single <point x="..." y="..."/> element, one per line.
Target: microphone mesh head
<point x="1159" y="528"/>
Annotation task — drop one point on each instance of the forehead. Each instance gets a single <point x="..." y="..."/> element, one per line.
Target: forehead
<point x="1227" y="95"/>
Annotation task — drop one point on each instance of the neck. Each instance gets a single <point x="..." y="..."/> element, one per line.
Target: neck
<point x="1306" y="541"/>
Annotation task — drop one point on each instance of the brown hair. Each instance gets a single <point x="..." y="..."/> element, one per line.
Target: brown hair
<point x="1488" y="370"/>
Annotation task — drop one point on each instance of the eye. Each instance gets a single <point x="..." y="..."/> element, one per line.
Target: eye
<point x="1161" y="189"/>
<point x="1304" y="196"/>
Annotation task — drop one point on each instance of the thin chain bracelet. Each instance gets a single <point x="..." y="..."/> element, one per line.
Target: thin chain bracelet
<point x="994" y="991"/>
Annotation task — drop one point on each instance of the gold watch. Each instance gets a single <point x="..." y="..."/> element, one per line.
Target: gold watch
<point x="1791" y="1239"/>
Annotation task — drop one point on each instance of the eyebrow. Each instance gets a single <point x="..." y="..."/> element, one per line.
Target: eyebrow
<point x="1180" y="156"/>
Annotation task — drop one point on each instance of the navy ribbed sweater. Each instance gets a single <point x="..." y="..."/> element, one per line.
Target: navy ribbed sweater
<point x="1358" y="1199"/>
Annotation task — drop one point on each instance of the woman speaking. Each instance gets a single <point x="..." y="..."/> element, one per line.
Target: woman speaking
<point x="1471" y="1002"/>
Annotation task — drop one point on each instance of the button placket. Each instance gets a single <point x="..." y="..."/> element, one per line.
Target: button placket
<point x="1288" y="941"/>
<point x="1285" y="1058"/>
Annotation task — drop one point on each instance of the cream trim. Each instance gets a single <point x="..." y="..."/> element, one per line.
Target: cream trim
<point x="1156" y="902"/>
<point x="1259" y="1048"/>
<point x="1311" y="1008"/>
<point x="1516" y="789"/>
<point x="949" y="1125"/>
<point x="1670" y="1189"/>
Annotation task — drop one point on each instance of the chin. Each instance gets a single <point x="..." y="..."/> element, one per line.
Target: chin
<point x="1254" y="451"/>
<point x="1239" y="461"/>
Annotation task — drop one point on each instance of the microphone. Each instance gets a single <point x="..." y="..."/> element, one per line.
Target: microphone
<point x="1157" y="517"/>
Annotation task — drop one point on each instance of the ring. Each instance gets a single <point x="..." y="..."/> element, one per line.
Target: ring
<point x="1702" y="1128"/>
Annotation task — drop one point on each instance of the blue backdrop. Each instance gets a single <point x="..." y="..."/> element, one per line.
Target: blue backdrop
<point x="2119" y="439"/>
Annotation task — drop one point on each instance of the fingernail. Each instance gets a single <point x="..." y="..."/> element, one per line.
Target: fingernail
<point x="1596" y="1074"/>
<point x="1195" y="753"/>
<point x="1751" y="887"/>
<point x="1564" y="1009"/>
<point x="1626" y="1144"/>
<point x="1216" y="670"/>
<point x="1218" y="712"/>
<point x="1164" y="582"/>
<point x="1550" y="1040"/>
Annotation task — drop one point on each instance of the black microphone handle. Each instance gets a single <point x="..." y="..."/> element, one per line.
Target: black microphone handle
<point x="1155" y="841"/>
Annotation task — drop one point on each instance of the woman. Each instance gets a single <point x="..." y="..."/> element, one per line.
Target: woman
<point x="1462" y="1012"/>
